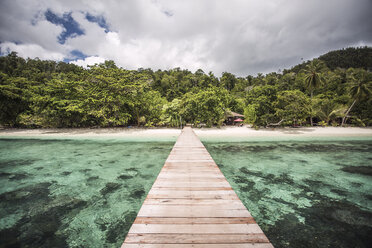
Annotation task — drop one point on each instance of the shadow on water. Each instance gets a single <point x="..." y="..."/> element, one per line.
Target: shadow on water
<point x="6" y="164"/>
<point x="110" y="188"/>
<point x="327" y="223"/>
<point x="363" y="170"/>
<point x="137" y="193"/>
<point x="39" y="226"/>
<point x="115" y="229"/>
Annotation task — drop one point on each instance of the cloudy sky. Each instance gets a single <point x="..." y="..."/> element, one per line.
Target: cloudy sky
<point x="239" y="36"/>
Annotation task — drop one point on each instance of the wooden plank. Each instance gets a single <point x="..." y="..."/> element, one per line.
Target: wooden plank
<point x="159" y="206"/>
<point x="199" y="196"/>
<point x="186" y="172"/>
<point x="246" y="245"/>
<point x="205" y="177"/>
<point x="189" y="158"/>
<point x="193" y="180"/>
<point x="190" y="151"/>
<point x="191" y="184"/>
<point x="193" y="188"/>
<point x="196" y="228"/>
<point x="191" y="204"/>
<point x="189" y="155"/>
<point x="191" y="166"/>
<point x="190" y="193"/>
<point x="175" y="174"/>
<point x="188" y="211"/>
<point x="196" y="238"/>
<point x="204" y="170"/>
<point x="208" y="202"/>
<point x="170" y="220"/>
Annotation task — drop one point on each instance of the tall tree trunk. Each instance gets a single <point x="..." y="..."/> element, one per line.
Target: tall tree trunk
<point x="311" y="108"/>
<point x="347" y="113"/>
<point x="138" y="118"/>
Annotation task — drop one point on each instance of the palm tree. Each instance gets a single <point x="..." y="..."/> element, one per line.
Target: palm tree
<point x="359" y="88"/>
<point x="328" y="110"/>
<point x="313" y="80"/>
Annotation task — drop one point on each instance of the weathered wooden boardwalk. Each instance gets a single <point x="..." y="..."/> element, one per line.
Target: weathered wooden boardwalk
<point x="192" y="205"/>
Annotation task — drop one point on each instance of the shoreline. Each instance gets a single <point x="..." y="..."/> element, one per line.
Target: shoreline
<point x="231" y="133"/>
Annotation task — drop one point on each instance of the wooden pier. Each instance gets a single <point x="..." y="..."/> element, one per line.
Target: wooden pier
<point x="191" y="204"/>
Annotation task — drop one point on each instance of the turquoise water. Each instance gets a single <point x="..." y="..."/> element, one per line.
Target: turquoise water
<point x="75" y="192"/>
<point x="304" y="193"/>
<point x="86" y="192"/>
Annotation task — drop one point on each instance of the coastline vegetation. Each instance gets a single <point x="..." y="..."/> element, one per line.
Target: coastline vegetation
<point x="334" y="89"/>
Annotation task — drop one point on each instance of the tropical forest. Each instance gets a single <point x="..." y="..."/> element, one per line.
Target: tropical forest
<point x="333" y="89"/>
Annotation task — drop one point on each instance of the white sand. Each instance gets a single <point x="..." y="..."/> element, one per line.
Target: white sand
<point x="225" y="132"/>
<point x="286" y="132"/>
<point x="86" y="132"/>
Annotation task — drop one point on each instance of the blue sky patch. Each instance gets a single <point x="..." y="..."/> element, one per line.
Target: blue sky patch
<point x="75" y="55"/>
<point x="72" y="28"/>
<point x="100" y="20"/>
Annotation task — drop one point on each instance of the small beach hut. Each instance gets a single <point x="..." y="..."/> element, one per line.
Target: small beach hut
<point x="232" y="118"/>
<point x="238" y="120"/>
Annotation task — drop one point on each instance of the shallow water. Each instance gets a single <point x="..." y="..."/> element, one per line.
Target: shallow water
<point x="75" y="192"/>
<point x="313" y="193"/>
<point x="82" y="192"/>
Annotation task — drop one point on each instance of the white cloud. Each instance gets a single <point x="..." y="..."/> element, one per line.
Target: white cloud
<point x="26" y="24"/>
<point x="113" y="38"/>
<point x="240" y="36"/>
<point x="88" y="61"/>
<point x="31" y="51"/>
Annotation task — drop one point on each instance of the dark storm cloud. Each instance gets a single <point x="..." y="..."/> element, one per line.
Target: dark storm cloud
<point x="280" y="36"/>
<point x="242" y="37"/>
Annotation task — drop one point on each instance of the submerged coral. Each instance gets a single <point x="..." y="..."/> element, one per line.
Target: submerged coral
<point x="73" y="193"/>
<point x="299" y="192"/>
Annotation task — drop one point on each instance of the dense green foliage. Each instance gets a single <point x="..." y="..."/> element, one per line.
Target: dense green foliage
<point x="36" y="93"/>
<point x="345" y="58"/>
<point x="349" y="58"/>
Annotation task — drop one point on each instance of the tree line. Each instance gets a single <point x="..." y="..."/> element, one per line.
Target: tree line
<point x="37" y="93"/>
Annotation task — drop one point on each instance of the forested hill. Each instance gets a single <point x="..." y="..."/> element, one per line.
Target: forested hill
<point x="345" y="58"/>
<point x="349" y="58"/>
<point x="325" y="91"/>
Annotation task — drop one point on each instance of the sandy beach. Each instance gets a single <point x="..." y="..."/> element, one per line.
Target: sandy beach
<point x="224" y="132"/>
<point x="245" y="132"/>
